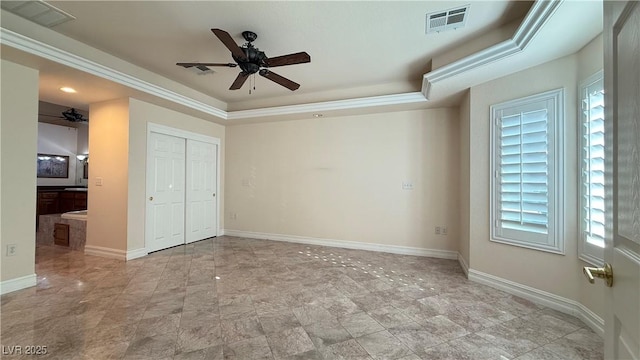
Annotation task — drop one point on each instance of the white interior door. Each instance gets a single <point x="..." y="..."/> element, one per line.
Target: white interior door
<point x="165" y="192"/>
<point x="622" y="251"/>
<point x="201" y="212"/>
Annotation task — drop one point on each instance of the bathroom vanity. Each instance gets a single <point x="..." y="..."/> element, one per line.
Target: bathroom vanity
<point x="59" y="199"/>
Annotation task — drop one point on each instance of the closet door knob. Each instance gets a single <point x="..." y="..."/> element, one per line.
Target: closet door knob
<point x="150" y="198"/>
<point x="214" y="194"/>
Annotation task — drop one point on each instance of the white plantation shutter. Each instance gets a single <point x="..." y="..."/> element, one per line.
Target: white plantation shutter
<point x="524" y="172"/>
<point x="592" y="170"/>
<point x="524" y="202"/>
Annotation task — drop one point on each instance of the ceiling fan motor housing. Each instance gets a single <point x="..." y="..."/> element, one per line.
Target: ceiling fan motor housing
<point x="255" y="59"/>
<point x="249" y="36"/>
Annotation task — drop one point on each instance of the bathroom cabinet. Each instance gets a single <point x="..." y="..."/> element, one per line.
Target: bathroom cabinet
<point x="56" y="200"/>
<point x="72" y="201"/>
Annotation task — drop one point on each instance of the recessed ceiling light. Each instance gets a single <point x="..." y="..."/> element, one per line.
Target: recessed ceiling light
<point x="68" y="89"/>
<point x="317" y="115"/>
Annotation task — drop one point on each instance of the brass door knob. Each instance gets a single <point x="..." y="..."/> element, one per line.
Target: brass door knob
<point x="150" y="198"/>
<point x="605" y="272"/>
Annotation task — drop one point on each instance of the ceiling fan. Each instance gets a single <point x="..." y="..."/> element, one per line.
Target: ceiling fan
<point x="71" y="114"/>
<point x="251" y="60"/>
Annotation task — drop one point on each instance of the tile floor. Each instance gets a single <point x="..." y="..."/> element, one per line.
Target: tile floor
<point x="234" y="298"/>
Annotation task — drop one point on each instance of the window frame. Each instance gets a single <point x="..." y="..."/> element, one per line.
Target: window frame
<point x="587" y="252"/>
<point x="554" y="242"/>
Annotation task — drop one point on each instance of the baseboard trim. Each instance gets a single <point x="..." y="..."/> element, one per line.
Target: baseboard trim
<point x="463" y="265"/>
<point x="105" y="252"/>
<point x="544" y="298"/>
<point x="16" y="284"/>
<point x="595" y="322"/>
<point x="137" y="253"/>
<point x="393" y="249"/>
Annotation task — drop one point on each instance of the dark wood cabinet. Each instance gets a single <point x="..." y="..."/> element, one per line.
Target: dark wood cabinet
<point x="47" y="203"/>
<point x="56" y="201"/>
<point x="72" y="201"/>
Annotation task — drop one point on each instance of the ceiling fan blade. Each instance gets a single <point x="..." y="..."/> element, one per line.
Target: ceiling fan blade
<point x="228" y="41"/>
<point x="291" y="59"/>
<point x="279" y="79"/>
<point x="188" y="65"/>
<point x="237" y="84"/>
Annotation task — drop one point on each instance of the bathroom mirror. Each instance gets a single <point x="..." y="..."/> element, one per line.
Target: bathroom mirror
<point x="82" y="169"/>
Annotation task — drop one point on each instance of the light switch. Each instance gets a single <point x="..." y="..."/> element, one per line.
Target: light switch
<point x="407" y="185"/>
<point x="98" y="181"/>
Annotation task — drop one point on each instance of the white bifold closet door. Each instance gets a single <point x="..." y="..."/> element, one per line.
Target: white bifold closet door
<point x="165" y="192"/>
<point x="201" y="191"/>
<point x="181" y="191"/>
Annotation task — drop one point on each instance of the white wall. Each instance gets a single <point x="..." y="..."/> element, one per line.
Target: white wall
<point x="18" y="134"/>
<point x="341" y="178"/>
<point x="465" y="206"/>
<point x="83" y="139"/>
<point x="58" y="140"/>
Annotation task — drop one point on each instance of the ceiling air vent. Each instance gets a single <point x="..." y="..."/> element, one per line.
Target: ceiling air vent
<point x="37" y="11"/>
<point x="447" y="20"/>
<point x="202" y="70"/>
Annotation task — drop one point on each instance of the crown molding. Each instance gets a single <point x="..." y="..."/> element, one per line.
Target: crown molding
<point x="46" y="51"/>
<point x="38" y="48"/>
<point x="540" y="12"/>
<point x="538" y="15"/>
<point x="395" y="99"/>
<point x="533" y="22"/>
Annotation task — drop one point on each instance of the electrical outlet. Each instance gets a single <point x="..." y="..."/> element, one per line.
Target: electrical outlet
<point x="12" y="249"/>
<point x="438" y="230"/>
<point x="444" y="230"/>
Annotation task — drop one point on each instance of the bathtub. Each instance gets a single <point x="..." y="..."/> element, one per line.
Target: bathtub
<point x="76" y="215"/>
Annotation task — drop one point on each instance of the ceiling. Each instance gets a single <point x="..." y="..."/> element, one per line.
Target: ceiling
<point x="357" y="48"/>
<point x="52" y="114"/>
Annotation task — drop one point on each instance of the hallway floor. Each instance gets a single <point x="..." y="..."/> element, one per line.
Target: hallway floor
<point x="233" y="298"/>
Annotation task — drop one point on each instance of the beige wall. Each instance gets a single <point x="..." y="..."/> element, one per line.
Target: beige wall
<point x="109" y="149"/>
<point x="512" y="262"/>
<point x="465" y="124"/>
<point x="18" y="134"/>
<point x="557" y="274"/>
<point x="118" y="148"/>
<point x="141" y="113"/>
<point x="341" y="178"/>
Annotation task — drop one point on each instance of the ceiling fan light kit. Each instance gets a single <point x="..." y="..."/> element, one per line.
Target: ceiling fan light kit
<point x="251" y="61"/>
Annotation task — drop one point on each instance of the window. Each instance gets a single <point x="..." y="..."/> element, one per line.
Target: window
<point x="591" y="137"/>
<point x="526" y="166"/>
